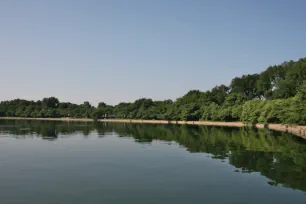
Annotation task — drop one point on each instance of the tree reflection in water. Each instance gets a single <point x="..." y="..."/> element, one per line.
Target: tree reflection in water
<point x="278" y="156"/>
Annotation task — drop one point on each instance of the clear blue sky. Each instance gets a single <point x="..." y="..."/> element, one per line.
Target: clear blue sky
<point x="122" y="50"/>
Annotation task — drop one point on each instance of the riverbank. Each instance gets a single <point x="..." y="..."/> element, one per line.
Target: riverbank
<point x="293" y="129"/>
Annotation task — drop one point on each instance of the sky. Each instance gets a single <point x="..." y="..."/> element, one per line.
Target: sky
<point x="123" y="50"/>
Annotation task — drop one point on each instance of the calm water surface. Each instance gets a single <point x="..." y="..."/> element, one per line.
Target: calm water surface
<point x="55" y="162"/>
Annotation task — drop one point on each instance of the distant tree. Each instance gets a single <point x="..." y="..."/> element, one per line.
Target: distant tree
<point x="245" y="85"/>
<point x="51" y="102"/>
<point x="219" y="94"/>
<point x="87" y="104"/>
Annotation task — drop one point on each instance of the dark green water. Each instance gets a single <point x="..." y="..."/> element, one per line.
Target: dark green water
<point x="72" y="163"/>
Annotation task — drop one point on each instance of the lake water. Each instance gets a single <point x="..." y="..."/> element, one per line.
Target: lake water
<point x="72" y="163"/>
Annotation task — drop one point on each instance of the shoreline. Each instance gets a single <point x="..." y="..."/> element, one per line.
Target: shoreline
<point x="293" y="129"/>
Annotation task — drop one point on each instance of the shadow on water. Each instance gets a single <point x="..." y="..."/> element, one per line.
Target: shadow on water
<point x="278" y="156"/>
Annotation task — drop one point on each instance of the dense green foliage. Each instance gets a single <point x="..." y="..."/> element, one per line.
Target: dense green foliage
<point x="277" y="95"/>
<point x="47" y="108"/>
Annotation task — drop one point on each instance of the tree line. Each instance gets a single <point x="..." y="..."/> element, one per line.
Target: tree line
<point x="276" y="95"/>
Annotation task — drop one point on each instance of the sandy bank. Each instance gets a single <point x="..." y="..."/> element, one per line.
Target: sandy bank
<point x="293" y="129"/>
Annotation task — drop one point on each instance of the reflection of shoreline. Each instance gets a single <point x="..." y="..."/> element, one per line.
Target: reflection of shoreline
<point x="275" y="155"/>
<point x="293" y="129"/>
